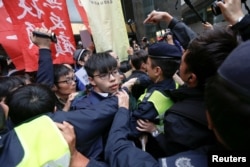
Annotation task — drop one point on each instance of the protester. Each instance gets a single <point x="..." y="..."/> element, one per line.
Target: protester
<point x="80" y="57"/>
<point x="138" y="62"/>
<point x="105" y="80"/>
<point x="64" y="86"/>
<point x="26" y="106"/>
<point x="59" y="77"/>
<point x="7" y="85"/>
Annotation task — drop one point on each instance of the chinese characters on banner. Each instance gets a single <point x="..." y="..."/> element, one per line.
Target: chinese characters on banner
<point x="26" y="15"/>
<point x="8" y="39"/>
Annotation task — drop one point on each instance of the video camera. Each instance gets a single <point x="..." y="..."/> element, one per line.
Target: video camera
<point x="216" y="9"/>
<point x="52" y="37"/>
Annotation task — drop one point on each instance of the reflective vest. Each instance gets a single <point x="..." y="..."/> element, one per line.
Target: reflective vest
<point x="43" y="144"/>
<point x="160" y="101"/>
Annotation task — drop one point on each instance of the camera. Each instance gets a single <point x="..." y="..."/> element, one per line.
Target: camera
<point x="216" y="10"/>
<point x="52" y="37"/>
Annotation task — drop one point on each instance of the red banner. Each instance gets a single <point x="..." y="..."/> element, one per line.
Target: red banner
<point x="9" y="40"/>
<point x="26" y="15"/>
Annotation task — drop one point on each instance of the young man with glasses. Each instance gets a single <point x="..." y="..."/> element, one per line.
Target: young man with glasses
<point x="62" y="80"/>
<point x="104" y="77"/>
<point x="64" y="86"/>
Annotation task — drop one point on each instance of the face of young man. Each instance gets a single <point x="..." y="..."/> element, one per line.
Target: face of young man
<point x="183" y="68"/>
<point x="66" y="85"/>
<point x="187" y="76"/>
<point x="151" y="71"/>
<point x="106" y="82"/>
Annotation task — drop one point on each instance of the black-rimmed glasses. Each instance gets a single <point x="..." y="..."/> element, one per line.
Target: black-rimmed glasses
<point x="106" y="76"/>
<point x="68" y="80"/>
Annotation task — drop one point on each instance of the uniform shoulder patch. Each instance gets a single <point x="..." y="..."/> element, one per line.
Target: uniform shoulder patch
<point x="183" y="162"/>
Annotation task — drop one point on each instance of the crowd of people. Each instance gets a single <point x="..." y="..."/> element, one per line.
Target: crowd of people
<point x="175" y="102"/>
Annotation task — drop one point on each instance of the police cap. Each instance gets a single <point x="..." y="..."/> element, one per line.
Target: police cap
<point x="163" y="50"/>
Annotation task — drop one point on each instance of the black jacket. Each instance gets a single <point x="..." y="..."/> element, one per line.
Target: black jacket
<point x="243" y="28"/>
<point x="181" y="32"/>
<point x="144" y="81"/>
<point x="89" y="123"/>
<point x="185" y="123"/>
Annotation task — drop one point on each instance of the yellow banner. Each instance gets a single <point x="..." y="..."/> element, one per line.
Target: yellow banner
<point x="107" y="26"/>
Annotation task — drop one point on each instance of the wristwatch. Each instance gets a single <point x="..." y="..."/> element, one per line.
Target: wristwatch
<point x="155" y="133"/>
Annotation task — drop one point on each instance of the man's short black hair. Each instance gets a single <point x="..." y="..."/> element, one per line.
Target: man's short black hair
<point x="101" y="62"/>
<point x="30" y="101"/>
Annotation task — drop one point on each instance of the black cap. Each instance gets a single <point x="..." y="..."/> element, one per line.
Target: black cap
<point x="77" y="54"/>
<point x="235" y="70"/>
<point x="163" y="50"/>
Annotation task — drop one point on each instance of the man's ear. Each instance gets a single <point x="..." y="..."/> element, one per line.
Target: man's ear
<point x="81" y="62"/>
<point x="54" y="88"/>
<point x="158" y="71"/>
<point x="143" y="67"/>
<point x="92" y="81"/>
<point x="192" y="80"/>
<point x="209" y="121"/>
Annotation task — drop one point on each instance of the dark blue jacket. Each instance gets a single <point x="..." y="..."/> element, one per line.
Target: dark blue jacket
<point x="144" y="81"/>
<point x="120" y="151"/>
<point x="45" y="74"/>
<point x="87" y="100"/>
<point x="91" y="122"/>
<point x="146" y="109"/>
<point x="95" y="147"/>
<point x="181" y="32"/>
<point x="185" y="123"/>
<point x="12" y="151"/>
<point x="242" y="28"/>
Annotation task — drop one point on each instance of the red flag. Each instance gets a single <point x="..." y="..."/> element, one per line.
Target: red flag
<point x="29" y="14"/>
<point x="83" y="14"/>
<point x="8" y="39"/>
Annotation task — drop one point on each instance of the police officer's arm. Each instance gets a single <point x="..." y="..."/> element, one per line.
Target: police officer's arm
<point x="146" y="126"/>
<point x="129" y="84"/>
<point x="120" y="151"/>
<point x="89" y="122"/>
